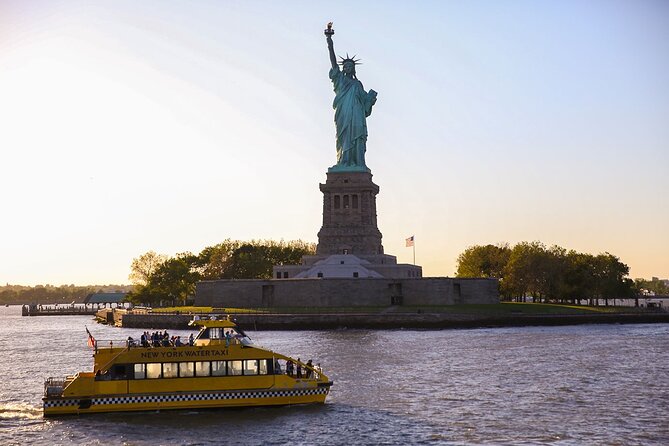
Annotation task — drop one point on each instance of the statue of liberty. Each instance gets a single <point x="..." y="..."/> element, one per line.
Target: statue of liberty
<point x="352" y="105"/>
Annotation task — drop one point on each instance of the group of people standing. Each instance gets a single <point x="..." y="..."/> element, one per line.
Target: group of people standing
<point x="161" y="339"/>
<point x="294" y="369"/>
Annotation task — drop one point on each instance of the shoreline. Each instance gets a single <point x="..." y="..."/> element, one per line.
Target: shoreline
<point x="435" y="321"/>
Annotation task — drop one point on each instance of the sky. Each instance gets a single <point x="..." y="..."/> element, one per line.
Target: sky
<point x="131" y="126"/>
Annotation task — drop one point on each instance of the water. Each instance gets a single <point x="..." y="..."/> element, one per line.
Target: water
<point x="597" y="384"/>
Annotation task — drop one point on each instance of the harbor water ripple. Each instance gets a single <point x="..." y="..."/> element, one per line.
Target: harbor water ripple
<point x="573" y="385"/>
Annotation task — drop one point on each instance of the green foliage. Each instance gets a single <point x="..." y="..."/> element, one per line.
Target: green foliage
<point x="144" y="266"/>
<point x="483" y="261"/>
<point x="234" y="259"/>
<point x="548" y="274"/>
<point x="172" y="281"/>
<point x="654" y="285"/>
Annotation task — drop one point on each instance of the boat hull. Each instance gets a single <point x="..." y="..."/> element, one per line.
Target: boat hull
<point x="184" y="400"/>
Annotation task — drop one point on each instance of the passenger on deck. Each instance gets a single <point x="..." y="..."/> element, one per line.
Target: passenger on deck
<point x="228" y="338"/>
<point x="299" y="368"/>
<point x="309" y="371"/>
<point x="177" y="342"/>
<point x="191" y="340"/>
<point x="289" y="367"/>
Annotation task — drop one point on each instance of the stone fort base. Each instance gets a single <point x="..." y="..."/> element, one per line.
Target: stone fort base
<point x="345" y="292"/>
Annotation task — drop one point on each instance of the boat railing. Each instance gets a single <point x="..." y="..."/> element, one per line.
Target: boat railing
<point x="103" y="344"/>
<point x="54" y="386"/>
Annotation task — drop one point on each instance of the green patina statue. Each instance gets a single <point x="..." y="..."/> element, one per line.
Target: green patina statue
<point x="352" y="105"/>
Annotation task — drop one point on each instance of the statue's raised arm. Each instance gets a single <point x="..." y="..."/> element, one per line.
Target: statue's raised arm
<point x="328" y="34"/>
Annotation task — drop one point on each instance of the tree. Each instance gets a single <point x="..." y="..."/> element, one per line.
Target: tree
<point x="256" y="259"/>
<point x="483" y="261"/>
<point x="143" y="267"/>
<point x="176" y="278"/>
<point x="549" y="274"/>
<point x="610" y="275"/>
<point x="523" y="273"/>
<point x="554" y="264"/>
<point x="234" y="259"/>
<point x="214" y="261"/>
<point x="579" y="280"/>
<point x="173" y="281"/>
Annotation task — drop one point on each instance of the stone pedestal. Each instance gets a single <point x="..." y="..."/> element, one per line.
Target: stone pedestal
<point x="349" y="215"/>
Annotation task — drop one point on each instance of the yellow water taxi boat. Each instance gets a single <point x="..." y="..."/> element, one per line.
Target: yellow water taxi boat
<point x="220" y="367"/>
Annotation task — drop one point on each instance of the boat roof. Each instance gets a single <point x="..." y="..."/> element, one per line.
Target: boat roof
<point x="220" y="323"/>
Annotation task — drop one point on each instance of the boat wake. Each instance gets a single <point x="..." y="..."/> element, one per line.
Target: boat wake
<point x="23" y="411"/>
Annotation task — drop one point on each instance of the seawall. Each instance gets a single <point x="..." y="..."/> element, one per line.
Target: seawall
<point x="389" y="321"/>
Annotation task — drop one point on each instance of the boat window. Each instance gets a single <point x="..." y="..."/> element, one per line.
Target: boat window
<point x="119" y="371"/>
<point x="153" y="370"/>
<point x="170" y="369"/>
<point x="140" y="371"/>
<point x="251" y="367"/>
<point x="262" y="369"/>
<point x="218" y="368"/>
<point x="235" y="367"/>
<point x="215" y="333"/>
<point x="186" y="369"/>
<point x="202" y="368"/>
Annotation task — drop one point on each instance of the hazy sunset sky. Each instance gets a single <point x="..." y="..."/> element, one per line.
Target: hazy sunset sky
<point x="128" y="126"/>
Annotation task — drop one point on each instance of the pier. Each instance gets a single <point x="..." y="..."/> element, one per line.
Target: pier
<point x="60" y="310"/>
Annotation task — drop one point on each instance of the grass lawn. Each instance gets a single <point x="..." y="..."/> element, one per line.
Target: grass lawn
<point x="523" y="308"/>
<point x="196" y="310"/>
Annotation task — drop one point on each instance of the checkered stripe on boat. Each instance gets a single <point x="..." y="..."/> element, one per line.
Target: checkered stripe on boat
<point x="192" y="397"/>
<point x="61" y="403"/>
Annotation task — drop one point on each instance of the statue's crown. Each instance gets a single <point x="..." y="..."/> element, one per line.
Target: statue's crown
<point x="349" y="59"/>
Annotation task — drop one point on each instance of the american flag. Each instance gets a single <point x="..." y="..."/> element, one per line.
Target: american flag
<point x="410" y="241"/>
<point x="91" y="339"/>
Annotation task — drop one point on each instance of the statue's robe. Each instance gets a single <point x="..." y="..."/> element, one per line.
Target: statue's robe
<point x="352" y="105"/>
